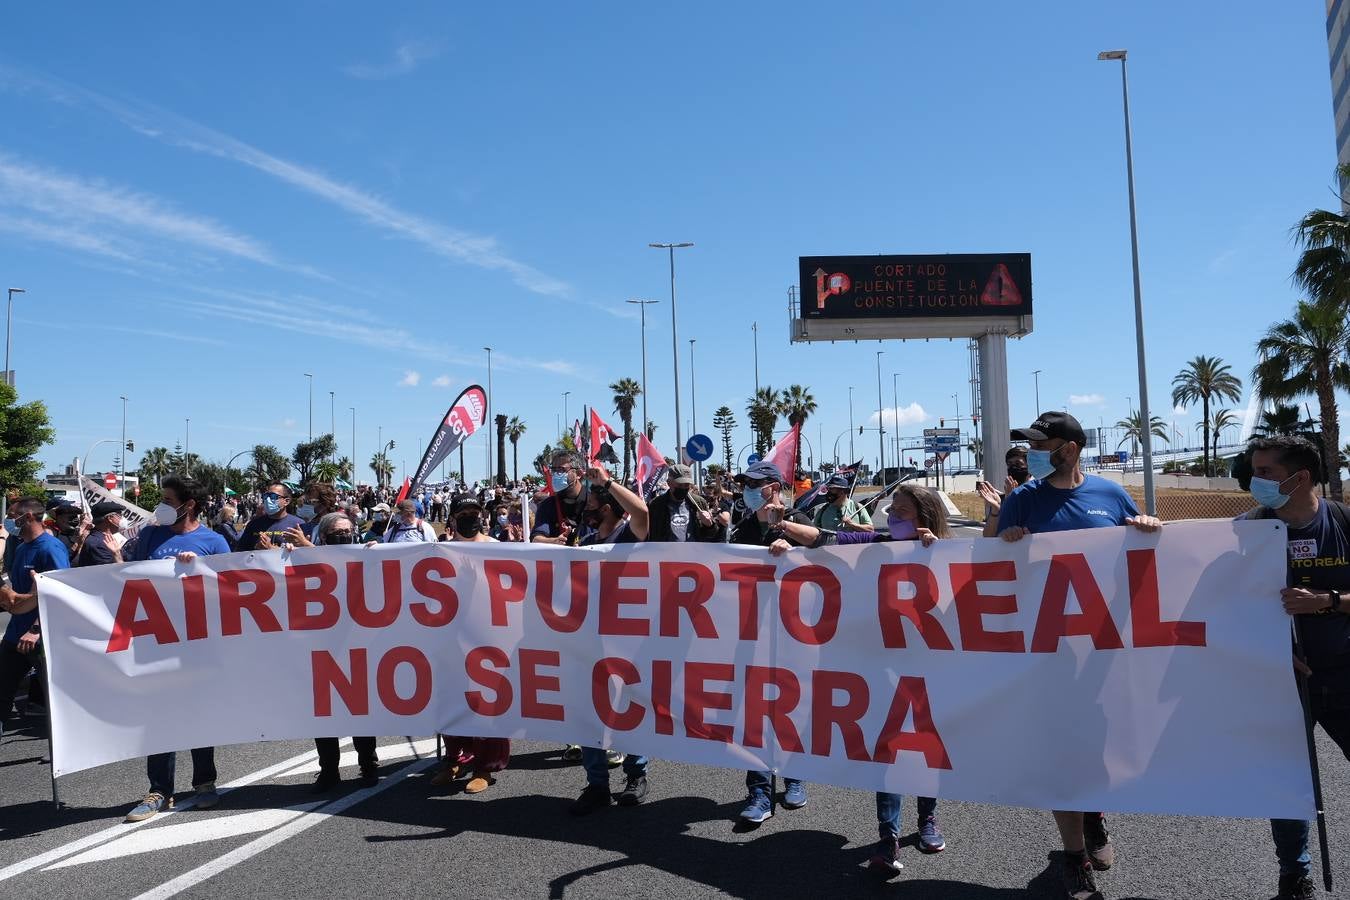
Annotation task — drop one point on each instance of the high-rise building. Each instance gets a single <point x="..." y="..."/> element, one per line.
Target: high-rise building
<point x="1338" y="42"/>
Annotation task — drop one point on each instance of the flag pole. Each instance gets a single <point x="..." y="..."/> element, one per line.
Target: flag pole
<point x="1306" y="700"/>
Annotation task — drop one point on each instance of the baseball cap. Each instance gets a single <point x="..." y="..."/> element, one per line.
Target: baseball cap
<point x="463" y="502"/>
<point x="837" y="481"/>
<point x="407" y="506"/>
<point x="61" y="504"/>
<point x="105" y="508"/>
<point x="761" y="471"/>
<point x="380" y="507"/>
<point x="1050" y="425"/>
<point x="680" y="474"/>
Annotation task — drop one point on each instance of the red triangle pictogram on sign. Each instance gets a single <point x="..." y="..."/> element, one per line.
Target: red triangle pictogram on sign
<point x="1000" y="290"/>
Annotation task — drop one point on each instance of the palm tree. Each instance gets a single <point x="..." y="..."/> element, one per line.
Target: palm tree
<point x="1323" y="268"/>
<point x="326" y="471"/>
<point x="1132" y="427"/>
<point x="1203" y="379"/>
<point x="382" y="467"/>
<point x="156" y="462"/>
<point x="1223" y="418"/>
<point x="515" y="430"/>
<point x="797" y="404"/>
<point x="345" y="468"/>
<point x="1307" y="355"/>
<point x="626" y="392"/>
<point x="1283" y="419"/>
<point x="763" y="409"/>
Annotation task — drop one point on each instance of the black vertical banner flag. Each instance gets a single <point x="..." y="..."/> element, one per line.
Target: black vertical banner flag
<point x="466" y="415"/>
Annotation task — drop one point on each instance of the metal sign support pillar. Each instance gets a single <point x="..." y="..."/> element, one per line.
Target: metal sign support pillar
<point x="994" y="427"/>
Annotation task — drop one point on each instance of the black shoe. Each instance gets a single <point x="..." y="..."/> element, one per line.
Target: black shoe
<point x="1079" y="883"/>
<point x="1099" y="850"/>
<point x="634" y="791"/>
<point x="595" y="796"/>
<point x="1296" y="887"/>
<point x="369" y="776"/>
<point x="325" y="782"/>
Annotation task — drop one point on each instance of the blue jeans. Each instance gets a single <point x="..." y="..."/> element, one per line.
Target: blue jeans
<point x="888" y="813"/>
<point x="596" y="764"/>
<point x="1329" y="697"/>
<point x="761" y="781"/>
<point x="160" y="768"/>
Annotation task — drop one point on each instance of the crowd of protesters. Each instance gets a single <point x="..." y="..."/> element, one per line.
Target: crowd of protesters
<point x="582" y="505"/>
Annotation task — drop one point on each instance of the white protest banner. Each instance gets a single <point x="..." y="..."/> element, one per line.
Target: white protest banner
<point x="1101" y="669"/>
<point x="133" y="516"/>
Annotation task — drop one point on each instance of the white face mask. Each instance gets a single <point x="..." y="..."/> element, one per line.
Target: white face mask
<point x="165" y="514"/>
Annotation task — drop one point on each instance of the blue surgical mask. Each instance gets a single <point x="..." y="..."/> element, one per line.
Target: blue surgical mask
<point x="271" y="505"/>
<point x="306" y="511"/>
<point x="1266" y="492"/>
<point x="754" y="499"/>
<point x="1040" y="463"/>
<point x="559" y="481"/>
<point x="901" y="529"/>
<point x="11" y="527"/>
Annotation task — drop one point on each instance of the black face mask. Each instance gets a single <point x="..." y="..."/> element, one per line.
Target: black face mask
<point x="679" y="491"/>
<point x="593" y="518"/>
<point x="1019" y="475"/>
<point x="468" y="526"/>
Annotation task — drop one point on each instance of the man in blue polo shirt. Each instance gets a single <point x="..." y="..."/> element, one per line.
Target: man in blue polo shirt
<point x="38" y="552"/>
<point x="178" y="534"/>
<point x="1062" y="498"/>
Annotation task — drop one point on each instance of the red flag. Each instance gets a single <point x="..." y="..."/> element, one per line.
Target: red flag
<point x="784" y="455"/>
<point x="548" y="478"/>
<point x="601" y="437"/>
<point x="651" y="467"/>
<point x="403" y="491"/>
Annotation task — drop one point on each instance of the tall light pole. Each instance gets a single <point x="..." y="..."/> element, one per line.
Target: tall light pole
<point x="754" y="326"/>
<point x="9" y="319"/>
<point x="1037" y="375"/>
<point x="642" y="312"/>
<point x="1146" y="439"/>
<point x="187" y="446"/>
<point x="311" y="405"/>
<point x="851" y="457"/>
<point x="123" y="473"/>
<point x="957" y="400"/>
<point x="881" y="422"/>
<point x="693" y="407"/>
<point x="674" y="336"/>
<point x="895" y="400"/>
<point x="489" y="418"/>
<point x="352" y="473"/>
<point x="566" y="394"/>
<point x="332" y="417"/>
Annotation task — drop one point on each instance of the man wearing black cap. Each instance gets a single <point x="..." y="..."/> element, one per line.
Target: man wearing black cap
<point x="101" y="546"/>
<point x="761" y="526"/>
<point x="466" y="519"/>
<point x="65" y="522"/>
<point x="681" y="514"/>
<point x="842" y="512"/>
<point x="1062" y="498"/>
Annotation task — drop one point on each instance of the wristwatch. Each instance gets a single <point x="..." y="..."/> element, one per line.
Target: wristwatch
<point x="1335" y="602"/>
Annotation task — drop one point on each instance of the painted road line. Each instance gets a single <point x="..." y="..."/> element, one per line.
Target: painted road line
<point x="297" y="825"/>
<point x="93" y="840"/>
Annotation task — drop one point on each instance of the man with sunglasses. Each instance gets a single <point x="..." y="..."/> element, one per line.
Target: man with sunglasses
<point x="37" y="551"/>
<point x="1063" y="498"/>
<point x="765" y="511"/>
<point x="558" y="519"/>
<point x="268" y="528"/>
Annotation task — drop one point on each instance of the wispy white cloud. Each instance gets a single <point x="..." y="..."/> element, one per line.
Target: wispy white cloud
<point x="442" y="381"/>
<point x="1086" y="399"/>
<point x="410" y="379"/>
<point x="913" y="414"/>
<point x="407" y="57"/>
<point x="451" y="243"/>
<point x="68" y="236"/>
<point x="287" y="423"/>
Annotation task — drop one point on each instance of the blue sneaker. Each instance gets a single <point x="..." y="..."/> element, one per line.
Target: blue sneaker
<point x="794" y="796"/>
<point x="758" y="808"/>
<point x="930" y="836"/>
<point x="153" y="803"/>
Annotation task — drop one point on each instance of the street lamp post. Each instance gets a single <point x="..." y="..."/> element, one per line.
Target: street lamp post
<point x="754" y="326"/>
<point x="311" y="405"/>
<point x="488" y="476"/>
<point x="895" y="401"/>
<point x="1037" y="375"/>
<point x="642" y="312"/>
<point x="332" y="418"/>
<point x="9" y="319"/>
<point x="352" y="473"/>
<point x="1150" y="502"/>
<point x="674" y="336"/>
<point x="187" y="447"/>
<point x="956" y="398"/>
<point x="565" y="422"/>
<point x="851" y="457"/>
<point x="123" y="473"/>
<point x="693" y="405"/>
<point x="881" y="422"/>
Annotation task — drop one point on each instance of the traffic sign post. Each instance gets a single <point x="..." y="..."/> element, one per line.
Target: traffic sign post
<point x="699" y="447"/>
<point x="110" y="481"/>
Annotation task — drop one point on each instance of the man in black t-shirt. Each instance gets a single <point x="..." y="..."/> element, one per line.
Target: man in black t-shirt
<point x="1285" y="471"/>
<point x="557" y="521"/>
<point x="269" y="528"/>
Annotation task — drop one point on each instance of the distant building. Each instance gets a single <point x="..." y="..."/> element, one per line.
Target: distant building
<point x="66" y="480"/>
<point x="1338" y="43"/>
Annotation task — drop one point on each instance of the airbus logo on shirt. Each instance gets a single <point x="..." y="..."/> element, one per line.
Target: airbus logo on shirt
<point x="1099" y="512"/>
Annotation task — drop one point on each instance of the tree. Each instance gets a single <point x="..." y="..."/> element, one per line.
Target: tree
<point x="651" y="431"/>
<point x="1223" y="418"/>
<point x="763" y="409"/>
<point x="155" y="461"/>
<point x="500" y="422"/>
<point x="24" y="428"/>
<point x="308" y="454"/>
<point x="1306" y="354"/>
<point x="270" y="466"/>
<point x="1205" y="378"/>
<point x="714" y="470"/>
<point x="724" y="421"/>
<point x="515" y="430"/>
<point x="382" y="467"/>
<point x="345" y="469"/>
<point x="797" y="404"/>
<point x="326" y="471"/>
<point x="626" y="392"/>
<point x="1284" y="419"/>
<point x="1323" y="268"/>
<point x="1132" y="425"/>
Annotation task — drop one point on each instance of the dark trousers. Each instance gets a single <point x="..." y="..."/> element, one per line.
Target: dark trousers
<point x="1330" y="701"/>
<point x="160" y="769"/>
<point x="329" y="754"/>
<point x="13" y="666"/>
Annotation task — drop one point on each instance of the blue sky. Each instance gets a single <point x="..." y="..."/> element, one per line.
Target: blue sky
<point x="204" y="204"/>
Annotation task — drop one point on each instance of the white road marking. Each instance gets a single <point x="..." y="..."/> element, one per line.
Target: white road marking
<point x="43" y="859"/>
<point x="297" y="825"/>
<point x="193" y="831"/>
